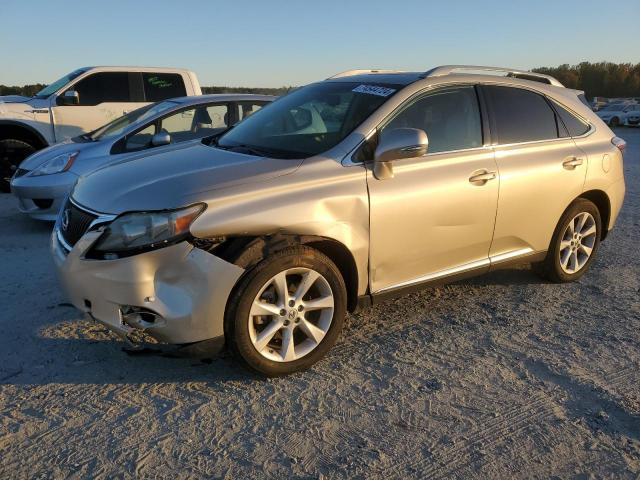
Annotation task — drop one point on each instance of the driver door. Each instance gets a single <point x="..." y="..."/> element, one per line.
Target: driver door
<point x="432" y="219"/>
<point x="103" y="96"/>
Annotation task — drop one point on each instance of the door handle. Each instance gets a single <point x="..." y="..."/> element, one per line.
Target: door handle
<point x="482" y="177"/>
<point x="572" y="162"/>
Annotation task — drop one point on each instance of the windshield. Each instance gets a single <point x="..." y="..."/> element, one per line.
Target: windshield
<point x="120" y="124"/>
<point x="307" y="121"/>
<point x="58" y="84"/>
<point x="615" y="107"/>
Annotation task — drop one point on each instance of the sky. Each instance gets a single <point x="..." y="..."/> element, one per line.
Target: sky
<point x="273" y="43"/>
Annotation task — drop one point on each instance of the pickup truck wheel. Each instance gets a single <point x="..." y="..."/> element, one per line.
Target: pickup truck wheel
<point x="12" y="152"/>
<point x="574" y="244"/>
<point x="287" y="312"/>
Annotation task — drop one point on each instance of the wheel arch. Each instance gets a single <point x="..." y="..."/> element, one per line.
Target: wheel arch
<point x="248" y="251"/>
<point x="21" y="131"/>
<point x="601" y="200"/>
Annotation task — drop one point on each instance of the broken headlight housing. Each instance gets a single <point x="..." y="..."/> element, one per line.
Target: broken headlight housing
<point x="135" y="232"/>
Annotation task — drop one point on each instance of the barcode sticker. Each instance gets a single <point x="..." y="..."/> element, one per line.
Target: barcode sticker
<point x="374" y="90"/>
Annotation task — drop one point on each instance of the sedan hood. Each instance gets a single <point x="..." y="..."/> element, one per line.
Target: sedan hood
<point x="173" y="178"/>
<point x="38" y="158"/>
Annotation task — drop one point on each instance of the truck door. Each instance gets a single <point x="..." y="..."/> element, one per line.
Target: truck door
<point x="103" y="96"/>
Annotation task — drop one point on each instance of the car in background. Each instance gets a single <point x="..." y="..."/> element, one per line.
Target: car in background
<point x="44" y="179"/>
<point x="78" y="103"/>
<point x="614" y="114"/>
<point x="632" y="116"/>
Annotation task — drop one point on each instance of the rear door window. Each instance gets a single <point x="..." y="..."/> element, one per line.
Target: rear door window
<point x="521" y="115"/>
<point x="161" y="86"/>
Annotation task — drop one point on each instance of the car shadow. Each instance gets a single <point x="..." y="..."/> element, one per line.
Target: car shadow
<point x="516" y="276"/>
<point x="73" y="350"/>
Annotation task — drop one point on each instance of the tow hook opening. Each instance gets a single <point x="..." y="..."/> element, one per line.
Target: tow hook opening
<point x="139" y="317"/>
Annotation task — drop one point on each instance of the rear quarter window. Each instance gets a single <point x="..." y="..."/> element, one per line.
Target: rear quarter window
<point x="574" y="125"/>
<point x="161" y="86"/>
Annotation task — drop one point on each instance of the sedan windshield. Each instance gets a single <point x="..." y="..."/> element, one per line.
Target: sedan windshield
<point x="615" y="107"/>
<point x="47" y="91"/>
<point x="308" y="121"/>
<point x="120" y="124"/>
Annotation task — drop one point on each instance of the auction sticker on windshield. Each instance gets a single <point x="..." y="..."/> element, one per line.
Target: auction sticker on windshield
<point x="374" y="90"/>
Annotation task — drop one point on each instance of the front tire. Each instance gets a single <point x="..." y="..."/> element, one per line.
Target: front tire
<point x="12" y="153"/>
<point x="286" y="312"/>
<point x="574" y="244"/>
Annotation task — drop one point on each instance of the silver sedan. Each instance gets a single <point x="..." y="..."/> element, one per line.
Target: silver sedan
<point x="43" y="180"/>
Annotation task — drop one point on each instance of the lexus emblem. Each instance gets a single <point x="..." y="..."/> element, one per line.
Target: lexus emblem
<point x="65" y="220"/>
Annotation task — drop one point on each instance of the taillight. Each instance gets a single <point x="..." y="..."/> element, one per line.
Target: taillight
<point x="619" y="143"/>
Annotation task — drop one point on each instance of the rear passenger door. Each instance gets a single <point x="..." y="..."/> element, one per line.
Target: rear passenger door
<point x="541" y="170"/>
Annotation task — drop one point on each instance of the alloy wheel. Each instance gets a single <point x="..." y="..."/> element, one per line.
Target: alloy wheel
<point x="291" y="314"/>
<point x="577" y="242"/>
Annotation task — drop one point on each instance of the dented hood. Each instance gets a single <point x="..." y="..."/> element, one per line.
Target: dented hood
<point x="174" y="178"/>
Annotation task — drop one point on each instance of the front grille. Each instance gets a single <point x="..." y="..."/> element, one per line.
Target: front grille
<point x="74" y="223"/>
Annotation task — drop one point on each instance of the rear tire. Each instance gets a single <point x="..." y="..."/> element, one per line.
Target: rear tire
<point x="614" y="122"/>
<point x="277" y="332"/>
<point x="574" y="244"/>
<point x="12" y="153"/>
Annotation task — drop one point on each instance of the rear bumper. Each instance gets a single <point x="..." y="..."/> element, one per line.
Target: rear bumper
<point x="615" y="192"/>
<point x="181" y="291"/>
<point x="32" y="192"/>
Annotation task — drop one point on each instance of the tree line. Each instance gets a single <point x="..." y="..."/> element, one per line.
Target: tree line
<point x="602" y="79"/>
<point x="31" y="90"/>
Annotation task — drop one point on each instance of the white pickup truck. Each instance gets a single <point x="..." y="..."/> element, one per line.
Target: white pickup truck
<point x="78" y="103"/>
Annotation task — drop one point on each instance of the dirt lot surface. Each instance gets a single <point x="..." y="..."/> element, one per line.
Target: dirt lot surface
<point x="500" y="376"/>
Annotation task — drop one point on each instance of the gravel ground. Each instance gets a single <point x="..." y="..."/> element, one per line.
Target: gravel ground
<point x="500" y="376"/>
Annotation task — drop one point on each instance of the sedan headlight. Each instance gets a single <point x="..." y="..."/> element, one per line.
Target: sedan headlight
<point x="59" y="163"/>
<point x="140" y="231"/>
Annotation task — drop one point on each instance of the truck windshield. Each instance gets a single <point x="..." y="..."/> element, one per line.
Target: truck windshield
<point x="307" y="121"/>
<point x="47" y="91"/>
<point x="120" y="124"/>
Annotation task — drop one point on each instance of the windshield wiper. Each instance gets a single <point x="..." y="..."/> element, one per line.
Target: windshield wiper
<point x="248" y="149"/>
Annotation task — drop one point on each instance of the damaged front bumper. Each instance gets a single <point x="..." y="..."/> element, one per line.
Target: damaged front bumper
<point x="176" y="294"/>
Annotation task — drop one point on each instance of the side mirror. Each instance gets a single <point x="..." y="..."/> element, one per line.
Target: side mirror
<point x="160" y="139"/>
<point x="397" y="144"/>
<point x="70" y="97"/>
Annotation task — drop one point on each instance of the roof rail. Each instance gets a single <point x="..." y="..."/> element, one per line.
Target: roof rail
<point x="350" y="73"/>
<point x="510" y="72"/>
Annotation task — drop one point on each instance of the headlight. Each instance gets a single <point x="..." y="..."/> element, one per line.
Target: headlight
<point x="59" y="163"/>
<point x="133" y="232"/>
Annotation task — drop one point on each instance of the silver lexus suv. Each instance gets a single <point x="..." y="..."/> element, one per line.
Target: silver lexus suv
<point x="341" y="194"/>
